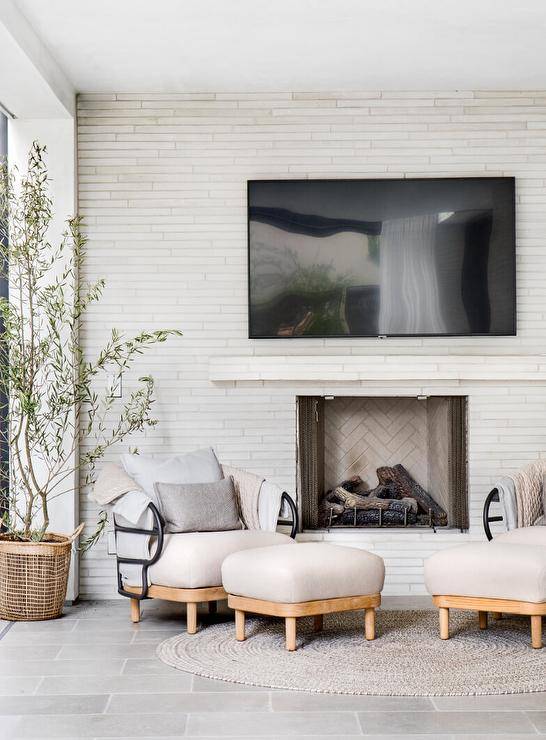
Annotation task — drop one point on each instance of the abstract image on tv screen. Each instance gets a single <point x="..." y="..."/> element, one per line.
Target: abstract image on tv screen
<point x="335" y="258"/>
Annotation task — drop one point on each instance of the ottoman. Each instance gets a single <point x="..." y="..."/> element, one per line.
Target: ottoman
<point x="498" y="576"/>
<point x="308" y="579"/>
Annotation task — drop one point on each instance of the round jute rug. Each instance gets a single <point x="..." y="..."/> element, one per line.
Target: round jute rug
<point x="406" y="659"/>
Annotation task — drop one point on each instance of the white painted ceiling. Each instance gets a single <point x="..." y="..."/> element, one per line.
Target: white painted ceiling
<point x="246" y="45"/>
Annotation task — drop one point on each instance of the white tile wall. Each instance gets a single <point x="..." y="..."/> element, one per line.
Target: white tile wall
<point x="162" y="187"/>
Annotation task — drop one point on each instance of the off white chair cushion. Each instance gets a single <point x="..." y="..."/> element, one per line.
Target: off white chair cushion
<point x="194" y="559"/>
<point x="494" y="570"/>
<point x="306" y="572"/>
<point x="523" y="536"/>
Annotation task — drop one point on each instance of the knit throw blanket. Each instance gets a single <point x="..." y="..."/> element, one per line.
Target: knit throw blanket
<point x="528" y="483"/>
<point x="112" y="483"/>
<point x="247" y="487"/>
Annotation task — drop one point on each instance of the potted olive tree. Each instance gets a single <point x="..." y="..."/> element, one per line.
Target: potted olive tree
<point x="49" y="390"/>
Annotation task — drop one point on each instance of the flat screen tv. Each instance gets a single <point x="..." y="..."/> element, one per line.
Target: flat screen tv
<point x="371" y="258"/>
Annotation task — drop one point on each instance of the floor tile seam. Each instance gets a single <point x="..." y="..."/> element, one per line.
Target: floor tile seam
<point x="38" y="686"/>
<point x="4" y="631"/>
<point x="495" y="710"/>
<point x="535" y="727"/>
<point x="358" y="721"/>
<point x="64" y="694"/>
<point x="59" y="651"/>
<point x="453" y="711"/>
<point x="205" y="693"/>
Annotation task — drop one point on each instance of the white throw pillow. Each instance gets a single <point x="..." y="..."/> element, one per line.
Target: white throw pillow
<point x="201" y="466"/>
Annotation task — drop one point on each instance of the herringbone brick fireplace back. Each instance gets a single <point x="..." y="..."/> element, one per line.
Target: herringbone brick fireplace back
<point x="363" y="434"/>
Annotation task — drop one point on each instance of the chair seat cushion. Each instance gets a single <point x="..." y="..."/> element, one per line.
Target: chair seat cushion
<point x="494" y="570"/>
<point x="306" y="572"/>
<point x="523" y="536"/>
<point x="194" y="559"/>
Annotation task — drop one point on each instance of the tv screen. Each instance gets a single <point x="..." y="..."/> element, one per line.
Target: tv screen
<point x="368" y="258"/>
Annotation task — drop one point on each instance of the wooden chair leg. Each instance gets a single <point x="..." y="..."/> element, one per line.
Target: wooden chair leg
<point x="191" y="617"/>
<point x="482" y="617"/>
<point x="135" y="611"/>
<point x="444" y="623"/>
<point x="239" y="625"/>
<point x="213" y="607"/>
<point x="318" y="622"/>
<point x="369" y="623"/>
<point x="290" y="628"/>
<point x="536" y="630"/>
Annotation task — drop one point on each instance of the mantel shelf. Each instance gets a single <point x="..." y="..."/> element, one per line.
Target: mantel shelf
<point x="362" y="368"/>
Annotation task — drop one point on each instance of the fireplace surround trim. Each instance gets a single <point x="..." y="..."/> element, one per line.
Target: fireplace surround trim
<point x="321" y="446"/>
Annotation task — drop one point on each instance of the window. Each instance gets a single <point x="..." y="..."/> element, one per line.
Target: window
<point x="4" y="450"/>
<point x="3" y="135"/>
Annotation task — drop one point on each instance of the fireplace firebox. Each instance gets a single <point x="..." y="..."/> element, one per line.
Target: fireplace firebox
<point x="391" y="461"/>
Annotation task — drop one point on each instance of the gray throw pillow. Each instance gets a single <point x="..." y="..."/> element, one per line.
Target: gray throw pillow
<point x="199" y="507"/>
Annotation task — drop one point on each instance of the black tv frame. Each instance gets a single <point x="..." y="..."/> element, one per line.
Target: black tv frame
<point x="512" y="179"/>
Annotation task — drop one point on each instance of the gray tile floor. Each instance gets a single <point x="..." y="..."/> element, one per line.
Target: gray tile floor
<point x="92" y="674"/>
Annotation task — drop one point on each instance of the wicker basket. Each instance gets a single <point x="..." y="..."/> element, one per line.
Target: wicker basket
<point x="34" y="576"/>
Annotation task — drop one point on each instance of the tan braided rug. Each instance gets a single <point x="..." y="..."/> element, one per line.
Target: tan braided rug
<point x="406" y="659"/>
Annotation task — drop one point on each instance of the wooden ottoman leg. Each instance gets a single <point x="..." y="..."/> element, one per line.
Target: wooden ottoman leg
<point x="482" y="617"/>
<point x="318" y="622"/>
<point x="444" y="623"/>
<point x="369" y="623"/>
<point x="135" y="611"/>
<point x="536" y="630"/>
<point x="239" y="625"/>
<point x="191" y="617"/>
<point x="290" y="628"/>
<point x="496" y="615"/>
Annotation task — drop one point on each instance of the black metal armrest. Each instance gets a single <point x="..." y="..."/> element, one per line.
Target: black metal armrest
<point x="158" y="530"/>
<point x="293" y="512"/>
<point x="487" y="519"/>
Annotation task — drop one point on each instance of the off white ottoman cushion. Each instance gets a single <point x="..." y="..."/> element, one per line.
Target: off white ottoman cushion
<point x="494" y="570"/>
<point x="307" y="572"/>
<point x="194" y="559"/>
<point x="523" y="536"/>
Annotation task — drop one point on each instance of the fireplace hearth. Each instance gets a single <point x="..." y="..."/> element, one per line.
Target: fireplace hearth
<point x="382" y="462"/>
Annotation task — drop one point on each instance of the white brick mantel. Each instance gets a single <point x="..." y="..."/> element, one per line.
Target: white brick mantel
<point x="359" y="369"/>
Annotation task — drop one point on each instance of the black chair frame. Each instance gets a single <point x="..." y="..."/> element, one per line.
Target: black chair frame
<point x="158" y="531"/>
<point x="492" y="496"/>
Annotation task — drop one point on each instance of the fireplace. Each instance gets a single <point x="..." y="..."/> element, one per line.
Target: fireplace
<point x="387" y="461"/>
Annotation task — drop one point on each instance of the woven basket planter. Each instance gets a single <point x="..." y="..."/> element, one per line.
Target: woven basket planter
<point x="34" y="576"/>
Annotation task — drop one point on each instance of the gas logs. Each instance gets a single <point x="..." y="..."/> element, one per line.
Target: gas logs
<point x="398" y="500"/>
